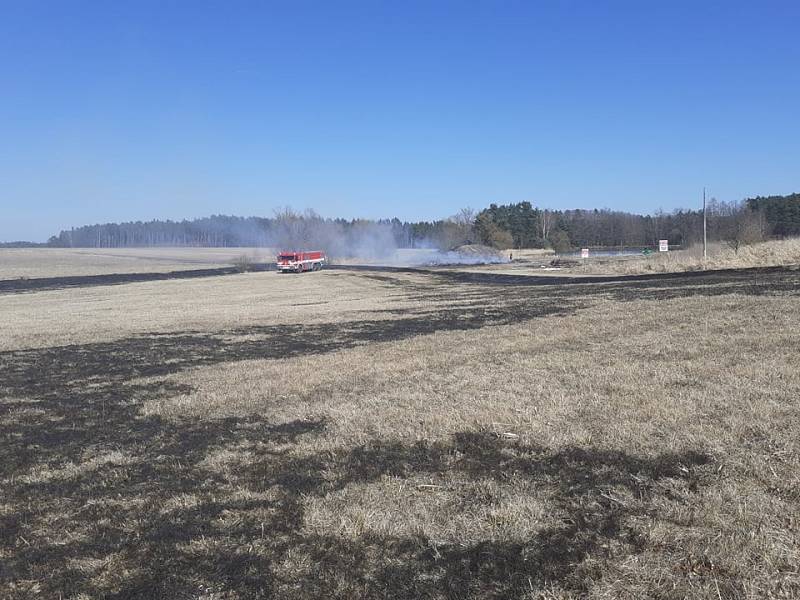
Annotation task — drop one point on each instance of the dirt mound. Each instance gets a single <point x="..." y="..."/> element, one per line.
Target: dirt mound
<point x="480" y="251"/>
<point x="565" y="263"/>
<point x="468" y="254"/>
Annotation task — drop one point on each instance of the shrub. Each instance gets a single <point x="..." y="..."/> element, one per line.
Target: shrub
<point x="243" y="264"/>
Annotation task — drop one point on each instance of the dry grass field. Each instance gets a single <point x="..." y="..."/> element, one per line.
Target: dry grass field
<point x="33" y="263"/>
<point x="720" y="256"/>
<point x="389" y="434"/>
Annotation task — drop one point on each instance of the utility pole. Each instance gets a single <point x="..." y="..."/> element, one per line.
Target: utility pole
<point x="705" y="239"/>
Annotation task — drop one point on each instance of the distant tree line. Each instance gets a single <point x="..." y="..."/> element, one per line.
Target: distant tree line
<point x="287" y="229"/>
<point x="736" y="223"/>
<point x="519" y="225"/>
<point x="23" y="245"/>
<point x="781" y="214"/>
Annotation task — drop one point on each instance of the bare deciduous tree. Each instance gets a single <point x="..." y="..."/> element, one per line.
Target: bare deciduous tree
<point x="546" y="223"/>
<point x="743" y="229"/>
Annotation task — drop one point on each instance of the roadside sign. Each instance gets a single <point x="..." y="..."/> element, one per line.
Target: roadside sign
<point x="663" y="245"/>
<point x="584" y="253"/>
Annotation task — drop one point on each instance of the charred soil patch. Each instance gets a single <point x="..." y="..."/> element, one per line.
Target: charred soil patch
<point x="40" y="284"/>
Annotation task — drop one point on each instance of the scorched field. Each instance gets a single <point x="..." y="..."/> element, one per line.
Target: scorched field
<point x="401" y="434"/>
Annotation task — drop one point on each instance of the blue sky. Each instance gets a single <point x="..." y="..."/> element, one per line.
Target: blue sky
<point x="114" y="111"/>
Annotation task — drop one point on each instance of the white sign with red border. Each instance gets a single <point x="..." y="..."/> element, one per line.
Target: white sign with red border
<point x="584" y="253"/>
<point x="663" y="245"/>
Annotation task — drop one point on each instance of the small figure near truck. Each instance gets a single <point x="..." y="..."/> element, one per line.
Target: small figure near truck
<point x="297" y="262"/>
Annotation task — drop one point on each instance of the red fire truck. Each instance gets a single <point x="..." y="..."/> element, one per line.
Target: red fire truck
<point x="297" y="262"/>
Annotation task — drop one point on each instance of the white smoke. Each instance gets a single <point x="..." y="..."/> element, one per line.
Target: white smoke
<point x="365" y="242"/>
<point x="421" y="257"/>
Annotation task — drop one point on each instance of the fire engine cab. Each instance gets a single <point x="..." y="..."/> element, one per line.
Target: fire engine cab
<point x="297" y="262"/>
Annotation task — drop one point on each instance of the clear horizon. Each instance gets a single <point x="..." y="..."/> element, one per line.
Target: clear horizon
<point x="134" y="112"/>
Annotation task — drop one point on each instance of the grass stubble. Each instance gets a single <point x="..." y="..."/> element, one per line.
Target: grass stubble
<point x="374" y="435"/>
<point x="33" y="263"/>
<point x="719" y="256"/>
